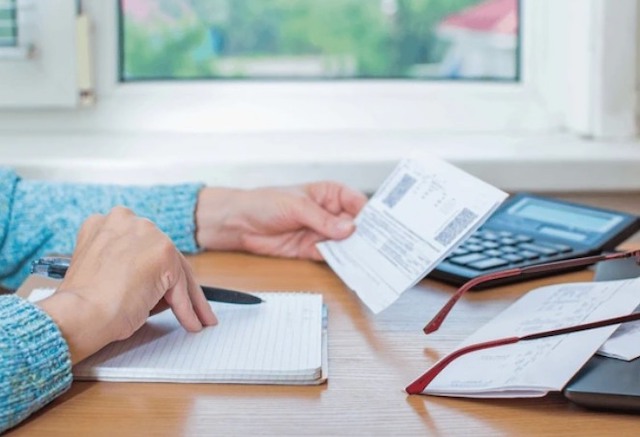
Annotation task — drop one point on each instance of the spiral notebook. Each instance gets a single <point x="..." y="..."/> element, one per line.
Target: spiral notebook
<point x="281" y="341"/>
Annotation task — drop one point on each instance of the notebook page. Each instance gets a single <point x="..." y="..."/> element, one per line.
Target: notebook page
<point x="278" y="341"/>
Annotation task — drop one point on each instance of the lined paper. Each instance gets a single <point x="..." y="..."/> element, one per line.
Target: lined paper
<point x="277" y="342"/>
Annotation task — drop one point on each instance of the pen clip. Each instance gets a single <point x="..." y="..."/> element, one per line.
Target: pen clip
<point x="51" y="266"/>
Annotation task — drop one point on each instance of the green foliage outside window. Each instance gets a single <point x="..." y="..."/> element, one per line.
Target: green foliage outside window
<point x="350" y="38"/>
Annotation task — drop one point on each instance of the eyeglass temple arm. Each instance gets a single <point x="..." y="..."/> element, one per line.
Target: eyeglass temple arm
<point x="435" y="323"/>
<point x="437" y="320"/>
<point x="418" y="386"/>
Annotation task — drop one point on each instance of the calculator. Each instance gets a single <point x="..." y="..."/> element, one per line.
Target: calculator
<point x="530" y="229"/>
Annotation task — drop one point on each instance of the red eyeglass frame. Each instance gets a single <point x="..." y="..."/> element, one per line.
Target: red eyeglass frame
<point x="435" y="323"/>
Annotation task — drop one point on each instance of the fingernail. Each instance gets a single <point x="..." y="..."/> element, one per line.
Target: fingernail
<point x="344" y="226"/>
<point x="213" y="321"/>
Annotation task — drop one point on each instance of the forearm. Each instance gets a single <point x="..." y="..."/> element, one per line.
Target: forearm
<point x="37" y="218"/>
<point x="35" y="366"/>
<point x="218" y="222"/>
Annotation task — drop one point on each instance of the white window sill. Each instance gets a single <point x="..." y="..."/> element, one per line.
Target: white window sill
<point x="513" y="163"/>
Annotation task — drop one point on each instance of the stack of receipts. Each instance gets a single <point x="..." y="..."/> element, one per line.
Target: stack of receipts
<point x="624" y="344"/>
<point x="420" y="213"/>
<point x="533" y="368"/>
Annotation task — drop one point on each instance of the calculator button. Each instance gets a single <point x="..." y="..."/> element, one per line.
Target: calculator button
<point x="523" y="238"/>
<point x="512" y="257"/>
<point x="459" y="251"/>
<point x="508" y="241"/>
<point x="473" y="240"/>
<point x="490" y="245"/>
<point x="467" y="259"/>
<point x="473" y="247"/>
<point x="548" y="251"/>
<point x="488" y="263"/>
<point x="528" y="254"/>
<point x="509" y="249"/>
<point x="493" y="252"/>
<point x="490" y="236"/>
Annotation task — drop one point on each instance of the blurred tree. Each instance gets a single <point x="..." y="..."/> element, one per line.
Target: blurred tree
<point x="381" y="38"/>
<point x="164" y="54"/>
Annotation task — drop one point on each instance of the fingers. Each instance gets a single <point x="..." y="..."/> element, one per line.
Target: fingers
<point x="187" y="300"/>
<point x="352" y="201"/>
<point x="199" y="301"/>
<point x="330" y="209"/>
<point x="336" y="197"/>
<point x="318" y="219"/>
<point x="179" y="299"/>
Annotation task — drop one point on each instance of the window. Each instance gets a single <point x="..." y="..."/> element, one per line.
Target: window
<point x="559" y="98"/>
<point x="310" y="39"/>
<point x="37" y="53"/>
<point x="8" y="24"/>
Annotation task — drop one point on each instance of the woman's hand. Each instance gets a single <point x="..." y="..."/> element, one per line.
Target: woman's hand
<point x="286" y="221"/>
<point x="122" y="269"/>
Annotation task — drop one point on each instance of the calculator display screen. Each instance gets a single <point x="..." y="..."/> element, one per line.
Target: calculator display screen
<point x="565" y="216"/>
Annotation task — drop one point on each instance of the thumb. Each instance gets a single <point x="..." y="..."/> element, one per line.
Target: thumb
<point x="324" y="223"/>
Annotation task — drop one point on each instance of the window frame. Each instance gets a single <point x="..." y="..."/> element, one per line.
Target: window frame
<point x="325" y="106"/>
<point x="595" y="101"/>
<point x="568" y="120"/>
<point x="48" y="78"/>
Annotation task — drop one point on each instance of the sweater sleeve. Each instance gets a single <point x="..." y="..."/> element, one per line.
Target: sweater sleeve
<point x="35" y="364"/>
<point x="39" y="218"/>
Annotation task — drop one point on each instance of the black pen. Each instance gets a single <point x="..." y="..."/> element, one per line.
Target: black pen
<point x="56" y="267"/>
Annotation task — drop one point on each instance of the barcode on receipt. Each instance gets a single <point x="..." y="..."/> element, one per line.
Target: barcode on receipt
<point x="398" y="192"/>
<point x="456" y="226"/>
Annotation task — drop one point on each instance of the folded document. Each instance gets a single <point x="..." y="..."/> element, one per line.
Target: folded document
<point x="422" y="211"/>
<point x="535" y="367"/>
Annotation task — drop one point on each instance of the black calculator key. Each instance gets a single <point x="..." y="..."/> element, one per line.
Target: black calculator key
<point x="488" y="263"/>
<point x="493" y="252"/>
<point x="467" y="259"/>
<point x="508" y="241"/>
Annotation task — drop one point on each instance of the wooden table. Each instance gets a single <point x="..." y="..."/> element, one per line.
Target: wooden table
<point x="371" y="360"/>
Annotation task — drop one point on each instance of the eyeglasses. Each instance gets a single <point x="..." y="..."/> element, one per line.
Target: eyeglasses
<point x="556" y="266"/>
<point x="420" y="384"/>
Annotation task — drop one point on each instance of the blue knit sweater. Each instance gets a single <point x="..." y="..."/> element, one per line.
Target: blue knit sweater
<point x="39" y="218"/>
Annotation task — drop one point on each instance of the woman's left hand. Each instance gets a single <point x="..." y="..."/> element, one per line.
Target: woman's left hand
<point x="286" y="221"/>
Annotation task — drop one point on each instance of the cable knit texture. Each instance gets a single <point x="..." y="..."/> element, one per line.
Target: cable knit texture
<point x="35" y="365"/>
<point x="39" y="218"/>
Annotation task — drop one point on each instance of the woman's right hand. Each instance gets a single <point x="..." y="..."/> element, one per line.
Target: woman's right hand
<point x="123" y="268"/>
